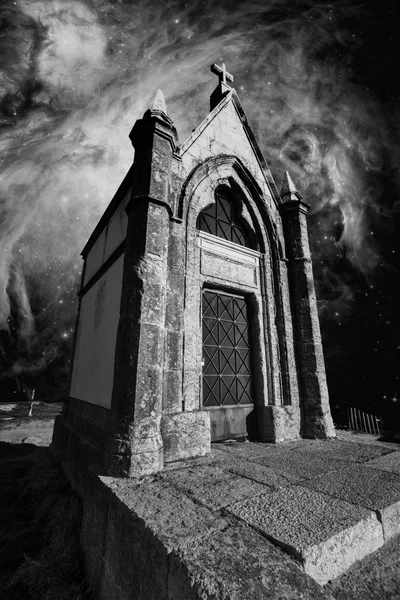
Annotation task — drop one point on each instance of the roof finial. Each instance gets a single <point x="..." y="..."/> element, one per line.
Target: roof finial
<point x="289" y="189"/>
<point x="158" y="103"/>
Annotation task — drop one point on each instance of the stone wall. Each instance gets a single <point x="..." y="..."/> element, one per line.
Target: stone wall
<point x="93" y="367"/>
<point x="147" y="540"/>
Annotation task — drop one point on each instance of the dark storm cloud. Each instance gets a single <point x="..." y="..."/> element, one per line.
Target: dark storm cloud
<point x="74" y="77"/>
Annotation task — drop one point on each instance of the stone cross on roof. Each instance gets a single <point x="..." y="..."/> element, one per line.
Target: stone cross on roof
<point x="222" y="73"/>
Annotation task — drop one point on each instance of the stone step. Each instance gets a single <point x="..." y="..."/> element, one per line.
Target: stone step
<point x="306" y="520"/>
<point x="326" y="535"/>
<point x="372" y="485"/>
<point x="375" y="577"/>
<point x="326" y="504"/>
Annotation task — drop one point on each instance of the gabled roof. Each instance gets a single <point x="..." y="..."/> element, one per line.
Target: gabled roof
<point x="158" y="105"/>
<point x="232" y="97"/>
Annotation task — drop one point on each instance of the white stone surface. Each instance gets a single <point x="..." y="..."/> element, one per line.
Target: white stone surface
<point x="110" y="238"/>
<point x="93" y="370"/>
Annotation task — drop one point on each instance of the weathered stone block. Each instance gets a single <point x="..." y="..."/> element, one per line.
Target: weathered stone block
<point x="337" y="449"/>
<point x="324" y="534"/>
<point x="228" y="270"/>
<point x="173" y="350"/>
<point x="172" y="397"/>
<point x="368" y="487"/>
<point x="390" y="462"/>
<point x="137" y="566"/>
<point x="174" y="312"/>
<point x="377" y="576"/>
<point x="94" y="526"/>
<point x="174" y="519"/>
<point x="239" y="564"/>
<point x="213" y="487"/>
<point x="256" y="472"/>
<point x="304" y="465"/>
<point x="185" y="435"/>
<point x="279" y="423"/>
<point x="313" y="356"/>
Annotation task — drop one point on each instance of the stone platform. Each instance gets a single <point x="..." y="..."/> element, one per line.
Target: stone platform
<point x="301" y="520"/>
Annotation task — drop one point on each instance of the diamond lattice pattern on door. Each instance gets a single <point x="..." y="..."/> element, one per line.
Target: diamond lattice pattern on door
<point x="226" y="351"/>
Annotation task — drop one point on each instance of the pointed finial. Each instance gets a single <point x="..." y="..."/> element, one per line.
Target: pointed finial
<point x="158" y="103"/>
<point x="289" y="189"/>
<point x="158" y="109"/>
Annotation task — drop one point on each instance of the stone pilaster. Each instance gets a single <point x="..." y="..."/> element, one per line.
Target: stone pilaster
<point x="314" y="397"/>
<point x="155" y="141"/>
<point x="135" y="445"/>
<point x="185" y="431"/>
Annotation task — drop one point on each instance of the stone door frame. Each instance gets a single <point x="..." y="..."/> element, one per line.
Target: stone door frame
<point x="266" y="298"/>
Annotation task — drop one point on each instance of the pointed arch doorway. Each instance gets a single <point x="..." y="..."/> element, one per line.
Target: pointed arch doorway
<point x="227" y="370"/>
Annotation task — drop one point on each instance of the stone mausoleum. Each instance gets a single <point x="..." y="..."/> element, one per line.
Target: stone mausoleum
<point x="197" y="311"/>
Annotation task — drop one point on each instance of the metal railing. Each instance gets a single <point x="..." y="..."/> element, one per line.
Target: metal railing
<point x="361" y="421"/>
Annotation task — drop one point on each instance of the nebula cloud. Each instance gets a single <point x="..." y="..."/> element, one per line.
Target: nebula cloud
<point x="74" y="77"/>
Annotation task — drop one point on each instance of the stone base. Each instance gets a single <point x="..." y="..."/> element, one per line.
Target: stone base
<point x="140" y="454"/>
<point x="324" y="534"/>
<point x="135" y="464"/>
<point x="151" y="541"/>
<point x="92" y="421"/>
<point x="74" y="453"/>
<point x="284" y="423"/>
<point x="317" y="423"/>
<point x="278" y="423"/>
<point x="293" y="518"/>
<point x="186" y="435"/>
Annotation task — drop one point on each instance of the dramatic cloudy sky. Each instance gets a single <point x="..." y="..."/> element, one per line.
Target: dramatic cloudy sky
<point x="320" y="85"/>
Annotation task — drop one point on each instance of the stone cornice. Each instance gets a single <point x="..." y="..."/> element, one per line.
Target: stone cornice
<point x="294" y="205"/>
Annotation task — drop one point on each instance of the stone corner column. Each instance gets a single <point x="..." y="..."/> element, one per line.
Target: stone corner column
<point x="314" y="398"/>
<point x="185" y="430"/>
<point x="135" y="445"/>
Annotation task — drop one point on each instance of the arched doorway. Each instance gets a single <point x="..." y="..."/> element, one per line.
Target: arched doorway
<point x="227" y="358"/>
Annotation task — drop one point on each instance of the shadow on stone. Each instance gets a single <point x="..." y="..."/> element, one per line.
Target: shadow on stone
<point x="251" y="426"/>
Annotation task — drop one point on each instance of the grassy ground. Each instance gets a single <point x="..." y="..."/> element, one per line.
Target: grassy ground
<point x="40" y="517"/>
